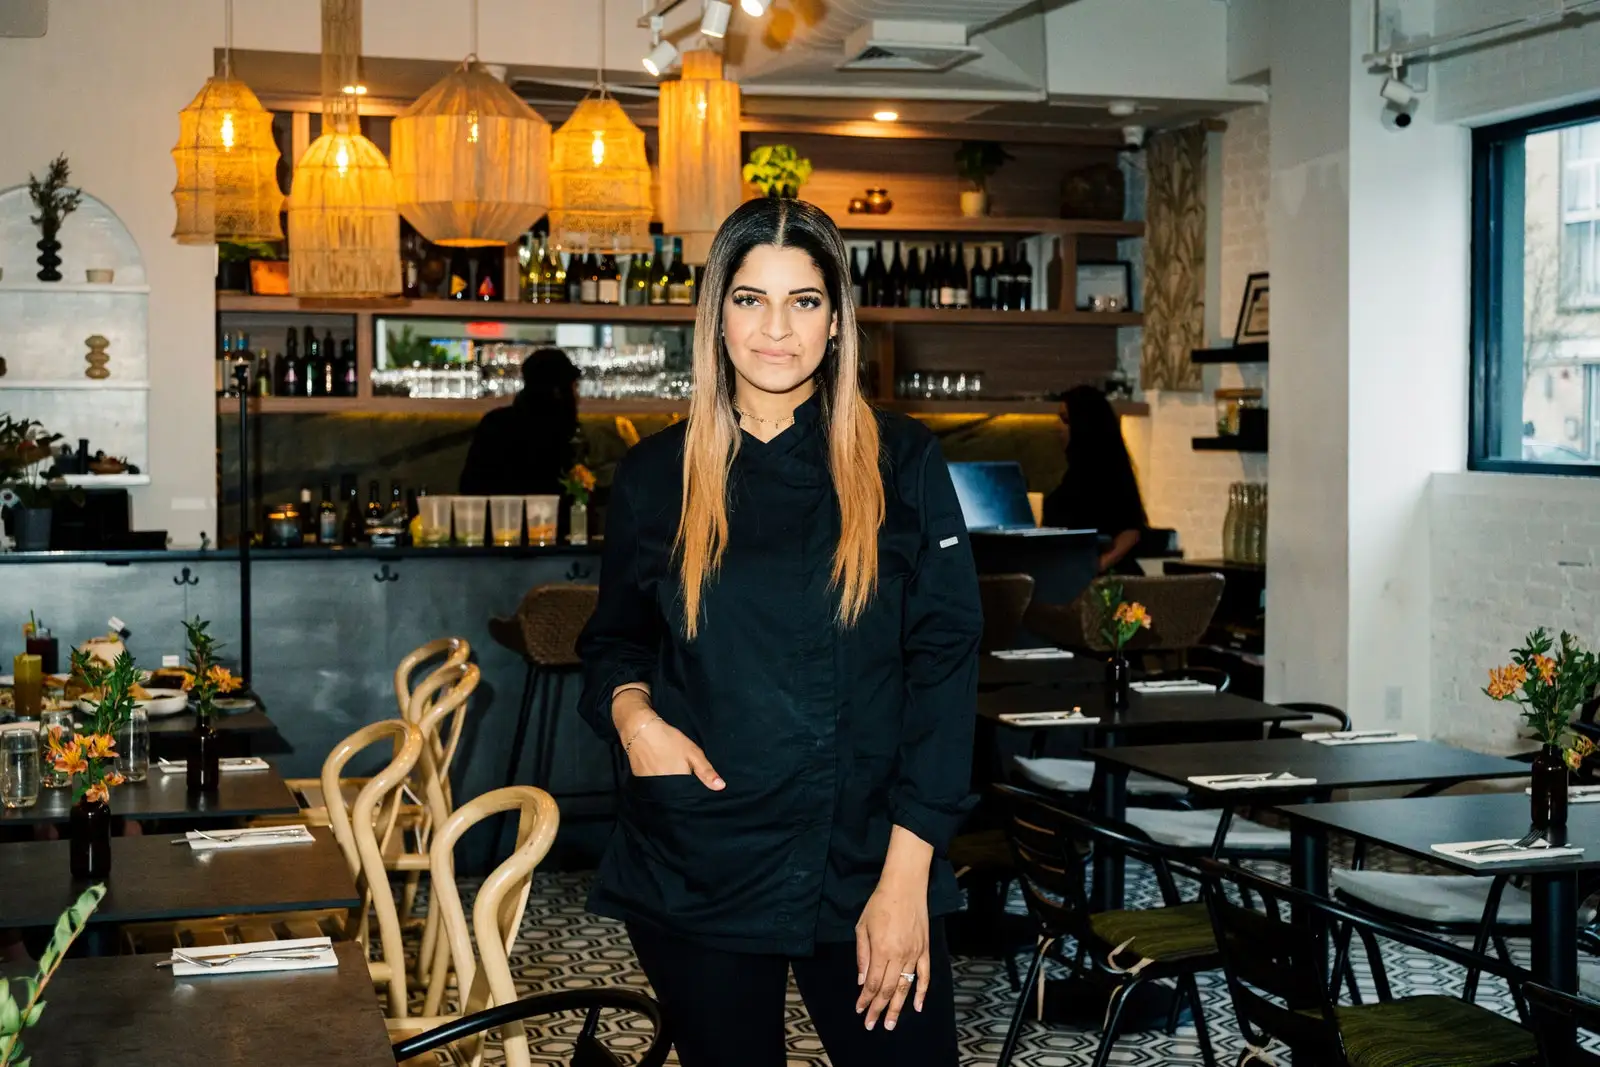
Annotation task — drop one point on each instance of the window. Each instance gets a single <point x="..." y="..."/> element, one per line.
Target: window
<point x="1536" y="294"/>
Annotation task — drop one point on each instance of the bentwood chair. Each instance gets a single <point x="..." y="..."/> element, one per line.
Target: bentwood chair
<point x="1127" y="948"/>
<point x="588" y="1050"/>
<point x="1555" y="1016"/>
<point x="1274" y="964"/>
<point x="1181" y="607"/>
<point x="455" y="651"/>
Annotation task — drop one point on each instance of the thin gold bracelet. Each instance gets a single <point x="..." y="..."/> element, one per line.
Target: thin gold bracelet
<point x="627" y="746"/>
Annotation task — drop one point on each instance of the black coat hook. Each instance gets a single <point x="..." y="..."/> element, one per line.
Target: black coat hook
<point x="578" y="571"/>
<point x="385" y="574"/>
<point x="186" y="578"/>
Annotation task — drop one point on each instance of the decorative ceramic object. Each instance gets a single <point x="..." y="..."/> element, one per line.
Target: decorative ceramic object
<point x="97" y="356"/>
<point x="878" y="202"/>
<point x="974" y="203"/>
<point x="977" y="162"/>
<point x="54" y="201"/>
<point x="858" y="205"/>
<point x="99" y="275"/>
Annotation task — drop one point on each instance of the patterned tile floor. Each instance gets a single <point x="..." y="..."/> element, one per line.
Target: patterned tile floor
<point x="562" y="946"/>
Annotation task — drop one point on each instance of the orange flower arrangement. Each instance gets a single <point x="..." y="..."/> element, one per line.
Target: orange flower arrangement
<point x="579" y="483"/>
<point x="210" y="677"/>
<point x="89" y="758"/>
<point x="1122" y="618"/>
<point x="1549" y="688"/>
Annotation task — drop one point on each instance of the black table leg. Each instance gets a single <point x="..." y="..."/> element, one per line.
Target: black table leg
<point x="1555" y="940"/>
<point x="1308" y="871"/>
<point x="1111" y="789"/>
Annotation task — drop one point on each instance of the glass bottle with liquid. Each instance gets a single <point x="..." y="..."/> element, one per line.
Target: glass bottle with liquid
<point x="680" y="279"/>
<point x="327" y="517"/>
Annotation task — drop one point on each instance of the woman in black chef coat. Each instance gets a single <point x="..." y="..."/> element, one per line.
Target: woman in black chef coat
<point x="1099" y="491"/>
<point x="785" y="646"/>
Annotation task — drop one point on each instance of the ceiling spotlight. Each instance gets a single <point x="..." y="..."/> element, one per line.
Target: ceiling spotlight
<point x="1397" y="92"/>
<point x="886" y="116"/>
<point x="755" y="8"/>
<point x="661" y="58"/>
<point x="714" y="22"/>
<point x="355" y="90"/>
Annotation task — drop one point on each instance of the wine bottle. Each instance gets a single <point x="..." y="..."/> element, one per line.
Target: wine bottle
<point x="574" y="278"/>
<point x="327" y="517"/>
<point x="875" y="281"/>
<point x="460" y="275"/>
<point x="328" y="369"/>
<point x="309" y="526"/>
<point x="1003" y="282"/>
<point x="489" y="266"/>
<point x="288" y="372"/>
<point x="609" y="281"/>
<point x="636" y="287"/>
<point x="916" y="283"/>
<point x="348" y="379"/>
<point x="589" y="280"/>
<point x="680" y="279"/>
<point x="353" y="526"/>
<point x="858" y="289"/>
<point x="311" y="366"/>
<point x="980" y="281"/>
<point x="959" y="279"/>
<point x="1022" y="286"/>
<point x="947" y="278"/>
<point x="897" y="281"/>
<point x="263" y="380"/>
<point x="397" y="499"/>
<point x="660" y="275"/>
<point x="374" y="514"/>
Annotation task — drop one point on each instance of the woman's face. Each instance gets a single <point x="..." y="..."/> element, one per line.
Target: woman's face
<point x="1064" y="426"/>
<point x="776" y="319"/>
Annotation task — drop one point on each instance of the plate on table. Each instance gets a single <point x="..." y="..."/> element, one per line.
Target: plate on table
<point x="161" y="702"/>
<point x="233" y="705"/>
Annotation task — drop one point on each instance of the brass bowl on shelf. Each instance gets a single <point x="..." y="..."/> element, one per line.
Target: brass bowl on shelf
<point x="107" y="465"/>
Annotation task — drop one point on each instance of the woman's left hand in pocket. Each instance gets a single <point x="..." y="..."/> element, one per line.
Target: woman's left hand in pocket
<point x="892" y="941"/>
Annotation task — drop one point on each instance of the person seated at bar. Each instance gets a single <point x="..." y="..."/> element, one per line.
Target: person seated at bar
<point x="526" y="448"/>
<point x="1099" y="491"/>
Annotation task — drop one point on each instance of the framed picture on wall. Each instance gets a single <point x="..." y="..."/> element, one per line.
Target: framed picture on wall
<point x="1105" y="286"/>
<point x="1253" y="311"/>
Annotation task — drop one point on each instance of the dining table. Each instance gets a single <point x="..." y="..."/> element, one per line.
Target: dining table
<point x="124" y="1011"/>
<point x="164" y="794"/>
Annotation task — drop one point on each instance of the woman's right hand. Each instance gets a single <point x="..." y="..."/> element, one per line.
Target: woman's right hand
<point x="659" y="748"/>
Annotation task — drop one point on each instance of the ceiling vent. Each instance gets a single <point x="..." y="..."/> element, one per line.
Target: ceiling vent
<point x="888" y="45"/>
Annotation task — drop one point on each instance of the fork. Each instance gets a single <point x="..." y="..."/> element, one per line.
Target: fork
<point x="232" y="957"/>
<point x="1529" y="840"/>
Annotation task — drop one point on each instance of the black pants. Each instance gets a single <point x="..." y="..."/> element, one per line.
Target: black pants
<point x="726" y="1009"/>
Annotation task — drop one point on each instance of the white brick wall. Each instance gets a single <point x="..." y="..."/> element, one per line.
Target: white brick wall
<point x="1510" y="552"/>
<point x="1184" y="489"/>
<point x="1535" y="72"/>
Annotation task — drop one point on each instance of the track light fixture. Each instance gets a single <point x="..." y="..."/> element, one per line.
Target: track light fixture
<point x="714" y="19"/>
<point x="755" y="8"/>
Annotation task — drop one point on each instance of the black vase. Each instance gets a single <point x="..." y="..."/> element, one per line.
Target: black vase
<point x="48" y="246"/>
<point x="91" y="840"/>
<point x="1549" y="789"/>
<point x="204" y="769"/>
<point x="1119" y="672"/>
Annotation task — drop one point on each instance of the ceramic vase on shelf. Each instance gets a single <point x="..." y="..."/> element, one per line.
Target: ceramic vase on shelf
<point x="203" y="772"/>
<point x="49" y="262"/>
<point x="1119" y="674"/>
<point x="1549" y="797"/>
<point x="90" y="839"/>
<point x="974" y="203"/>
<point x="578" y="524"/>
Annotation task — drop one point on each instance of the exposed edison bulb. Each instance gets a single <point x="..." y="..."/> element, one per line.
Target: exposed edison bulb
<point x="597" y="151"/>
<point x="341" y="159"/>
<point x="472" y="127"/>
<point x="227" y="129"/>
<point x="355" y="90"/>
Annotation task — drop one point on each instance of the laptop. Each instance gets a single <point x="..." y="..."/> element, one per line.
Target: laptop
<point x="994" y="499"/>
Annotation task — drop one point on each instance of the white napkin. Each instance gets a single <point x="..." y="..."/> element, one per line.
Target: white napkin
<point x="229" y="763"/>
<point x="1231" y="781"/>
<point x="1459" y="851"/>
<point x="1180" y="686"/>
<point x="1577" y="794"/>
<point x="258" y="956"/>
<point x="1032" y="653"/>
<point x="1048" y="718"/>
<point x="1360" y="737"/>
<point x="253" y="837"/>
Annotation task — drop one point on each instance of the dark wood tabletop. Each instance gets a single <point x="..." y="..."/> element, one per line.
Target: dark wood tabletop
<point x="243" y="794"/>
<point x="1144" y="711"/>
<point x="153" y="880"/>
<point x="254" y="721"/>
<point x="121" y="1011"/>
<point x="1077" y="670"/>
<point x="1414" y="825"/>
<point x="1334" y="767"/>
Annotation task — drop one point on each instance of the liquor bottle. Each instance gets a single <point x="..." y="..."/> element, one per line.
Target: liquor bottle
<point x="1003" y="282"/>
<point x="308" y="343"/>
<point x="897" y="281"/>
<point x="224" y="365"/>
<point x="288" y="369"/>
<point x="490" y="265"/>
<point x="328" y="369"/>
<point x="460" y="275"/>
<point x="680" y="279"/>
<point x="1052" y="279"/>
<point x="397" y="502"/>
<point x="935" y="275"/>
<point x="573" y="278"/>
<point x="960" y="279"/>
<point x="309" y="526"/>
<point x="875" y="280"/>
<point x="660" y="275"/>
<point x="374" y="514"/>
<point x="311" y="367"/>
<point x="347" y="368"/>
<point x="947" y="278"/>
<point x="589" y="280"/>
<point x="916" y="283"/>
<point x="353" y="526"/>
<point x="263" y="380"/>
<point x="980" y="281"/>
<point x="608" y="282"/>
<point x="858" y="286"/>
<point x="327" y="518"/>
<point x="1022" y="286"/>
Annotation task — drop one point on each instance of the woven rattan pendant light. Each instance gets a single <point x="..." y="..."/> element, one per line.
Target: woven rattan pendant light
<point x="344" y="229"/>
<point x="471" y="161"/>
<point x="700" y="175"/>
<point x="599" y="176"/>
<point x="227" y="162"/>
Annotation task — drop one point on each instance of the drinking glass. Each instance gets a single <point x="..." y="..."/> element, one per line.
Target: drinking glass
<point x="505" y="519"/>
<point x="435" y="513"/>
<point x="471" y="513"/>
<point x="543" y="514"/>
<point x="51" y="778"/>
<point x="19" y="767"/>
<point x="133" y="747"/>
<point x="28" y="685"/>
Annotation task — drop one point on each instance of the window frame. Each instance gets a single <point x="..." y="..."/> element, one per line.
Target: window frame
<point x="1490" y="146"/>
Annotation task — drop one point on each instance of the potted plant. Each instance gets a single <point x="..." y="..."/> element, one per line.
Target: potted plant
<point x="578" y="483"/>
<point x="17" y="1014"/>
<point x="977" y="162"/>
<point x="1120" y="620"/>
<point x="1549" y="689"/>
<point x="777" y="170"/>
<point x="233" y="264"/>
<point x="24" y="448"/>
<point x="211" y="679"/>
<point x="88" y="759"/>
<point x="54" y="201"/>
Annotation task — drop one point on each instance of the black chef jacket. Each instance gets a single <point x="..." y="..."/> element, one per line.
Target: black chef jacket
<point x="826" y="736"/>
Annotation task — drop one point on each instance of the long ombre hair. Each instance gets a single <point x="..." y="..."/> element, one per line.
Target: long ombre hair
<point x="713" y="435"/>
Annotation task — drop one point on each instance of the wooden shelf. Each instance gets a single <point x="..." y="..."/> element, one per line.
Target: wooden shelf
<point x="405" y="405"/>
<point x="988" y="224"/>
<point x="77" y="288"/>
<point x="1228" y="444"/>
<point x="997" y="407"/>
<point x="978" y="317"/>
<point x="1250" y="352"/>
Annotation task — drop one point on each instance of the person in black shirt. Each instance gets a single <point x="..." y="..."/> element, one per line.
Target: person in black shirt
<point x="1099" y="491"/>
<point x="526" y="448"/>
<point x="785" y="646"/>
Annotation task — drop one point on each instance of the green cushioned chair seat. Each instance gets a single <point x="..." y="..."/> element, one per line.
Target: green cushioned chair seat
<point x="1160" y="934"/>
<point x="1432" y="1031"/>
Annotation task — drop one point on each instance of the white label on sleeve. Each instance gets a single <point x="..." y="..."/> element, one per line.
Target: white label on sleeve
<point x="948" y="541"/>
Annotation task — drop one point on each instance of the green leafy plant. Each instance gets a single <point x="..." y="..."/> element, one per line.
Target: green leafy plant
<point x="235" y="252"/>
<point x="777" y="170"/>
<point x="52" y="197"/>
<point x="90" y="757"/>
<point x="1119" y="619"/>
<point x="1548" y="688"/>
<point x="406" y="349"/>
<point x="977" y="162"/>
<point x="24" y="448"/>
<point x="210" y="677"/>
<point x="17" y="1014"/>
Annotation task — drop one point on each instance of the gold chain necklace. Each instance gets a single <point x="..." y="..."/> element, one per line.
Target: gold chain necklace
<point x="776" y="424"/>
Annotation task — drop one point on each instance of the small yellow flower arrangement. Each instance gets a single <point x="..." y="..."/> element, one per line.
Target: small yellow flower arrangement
<point x="579" y="483"/>
<point x="89" y="758"/>
<point x="1122" y="619"/>
<point x="211" y="679"/>
<point x="1549" y="683"/>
